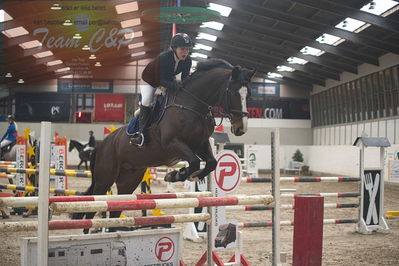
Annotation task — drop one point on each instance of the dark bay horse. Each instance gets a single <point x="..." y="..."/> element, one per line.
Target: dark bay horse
<point x="84" y="156"/>
<point x="182" y="134"/>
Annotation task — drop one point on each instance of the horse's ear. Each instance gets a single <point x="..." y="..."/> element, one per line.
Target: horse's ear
<point x="235" y="73"/>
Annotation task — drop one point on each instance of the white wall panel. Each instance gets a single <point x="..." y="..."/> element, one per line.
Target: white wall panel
<point x="391" y="131"/>
<point x="332" y="135"/>
<point x="348" y="135"/>
<point x="374" y="129"/>
<point x="382" y="128"/>
<point x="336" y="134"/>
<point x="327" y="142"/>
<point x="396" y="131"/>
<point x="342" y="135"/>
<point x="367" y="129"/>
<point x="354" y="134"/>
<point x="322" y="136"/>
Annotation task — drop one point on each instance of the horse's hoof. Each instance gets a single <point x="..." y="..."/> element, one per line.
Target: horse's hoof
<point x="194" y="176"/>
<point x="193" y="179"/>
<point x="170" y="177"/>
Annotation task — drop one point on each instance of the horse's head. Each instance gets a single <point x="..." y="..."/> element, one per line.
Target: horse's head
<point x="236" y="103"/>
<point x="71" y="145"/>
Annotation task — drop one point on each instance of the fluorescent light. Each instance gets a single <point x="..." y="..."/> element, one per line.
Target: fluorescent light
<point x="30" y="44"/>
<point x="296" y="60"/>
<point x="53" y="63"/>
<point x="206" y="36"/>
<point x="223" y="10"/>
<point x="43" y="54"/>
<point x="199" y="55"/>
<point x="136" y="45"/>
<point x="350" y="24"/>
<point x="130" y="23"/>
<point x="380" y="6"/>
<point x="310" y="51"/>
<point x="198" y="46"/>
<point x="328" y="39"/>
<point x="128" y="7"/>
<point x="15" y="32"/>
<point x="67" y="22"/>
<point x="77" y="36"/>
<point x="62" y="69"/>
<point x="138" y="54"/>
<point x="285" y="69"/>
<point x="4" y="16"/>
<point x="55" y="7"/>
<point x="274" y="75"/>
<point x="212" y="25"/>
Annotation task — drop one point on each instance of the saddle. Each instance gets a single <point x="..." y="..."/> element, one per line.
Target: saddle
<point x="157" y="112"/>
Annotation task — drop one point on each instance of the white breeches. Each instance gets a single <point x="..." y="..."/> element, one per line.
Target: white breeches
<point x="88" y="148"/>
<point x="4" y="143"/>
<point x="147" y="93"/>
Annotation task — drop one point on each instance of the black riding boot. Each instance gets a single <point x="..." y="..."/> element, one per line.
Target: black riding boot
<point x="138" y="137"/>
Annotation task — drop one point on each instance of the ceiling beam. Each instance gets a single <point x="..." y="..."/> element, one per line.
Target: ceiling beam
<point x="300" y="40"/>
<point x="280" y="59"/>
<point x="317" y="26"/>
<point x="345" y="11"/>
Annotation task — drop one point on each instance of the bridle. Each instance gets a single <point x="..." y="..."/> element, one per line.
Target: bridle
<point x="225" y="103"/>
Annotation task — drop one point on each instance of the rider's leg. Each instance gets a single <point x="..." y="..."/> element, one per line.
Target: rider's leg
<point x="147" y="93"/>
<point x="3" y="144"/>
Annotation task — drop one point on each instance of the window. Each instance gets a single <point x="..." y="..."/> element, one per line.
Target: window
<point x="85" y="102"/>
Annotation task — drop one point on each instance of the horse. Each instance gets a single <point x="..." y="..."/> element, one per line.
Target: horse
<point x="182" y="133"/>
<point x="9" y="153"/>
<point x="84" y="156"/>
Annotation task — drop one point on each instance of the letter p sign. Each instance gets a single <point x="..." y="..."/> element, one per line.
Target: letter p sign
<point x="164" y="249"/>
<point x="228" y="171"/>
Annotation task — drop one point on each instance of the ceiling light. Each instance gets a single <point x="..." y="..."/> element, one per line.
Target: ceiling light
<point x="372" y="5"/>
<point x="198" y="46"/>
<point x="8" y="75"/>
<point x="92" y="56"/>
<point x="212" y="25"/>
<point x="128" y="7"/>
<point x="15" y="32"/>
<point x="199" y="55"/>
<point x="21" y="81"/>
<point x="207" y="36"/>
<point x="55" y="7"/>
<point x="53" y="63"/>
<point x="350" y="24"/>
<point x="285" y="69"/>
<point x="62" y="69"/>
<point x="223" y="10"/>
<point x="4" y="16"/>
<point x="379" y="7"/>
<point x="130" y="23"/>
<point x="77" y="36"/>
<point x="274" y="75"/>
<point x="296" y="60"/>
<point x="136" y="45"/>
<point x="43" y="54"/>
<point x="30" y="44"/>
<point x="67" y="22"/>
<point x="138" y="54"/>
<point x="85" y="47"/>
<point x="97" y="64"/>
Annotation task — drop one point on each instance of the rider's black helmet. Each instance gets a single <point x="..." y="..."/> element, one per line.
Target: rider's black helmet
<point x="10" y="117"/>
<point x="181" y="40"/>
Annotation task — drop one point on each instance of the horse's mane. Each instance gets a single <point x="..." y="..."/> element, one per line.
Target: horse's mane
<point x="213" y="63"/>
<point x="207" y="65"/>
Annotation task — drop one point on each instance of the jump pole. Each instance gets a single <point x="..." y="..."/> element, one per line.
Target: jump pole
<point x="275" y="149"/>
<point x="44" y="181"/>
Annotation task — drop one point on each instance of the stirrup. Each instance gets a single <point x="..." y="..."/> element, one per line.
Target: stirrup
<point x="136" y="136"/>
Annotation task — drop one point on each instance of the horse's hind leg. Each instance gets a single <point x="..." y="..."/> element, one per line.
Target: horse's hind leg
<point x="128" y="180"/>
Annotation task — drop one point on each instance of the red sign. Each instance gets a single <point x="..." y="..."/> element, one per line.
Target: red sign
<point x="164" y="249"/>
<point x="228" y="171"/>
<point x="109" y="108"/>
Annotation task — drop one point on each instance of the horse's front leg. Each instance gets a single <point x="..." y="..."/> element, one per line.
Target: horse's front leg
<point x="206" y="154"/>
<point x="183" y="152"/>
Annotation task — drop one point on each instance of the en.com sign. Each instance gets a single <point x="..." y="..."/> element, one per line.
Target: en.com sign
<point x="228" y="171"/>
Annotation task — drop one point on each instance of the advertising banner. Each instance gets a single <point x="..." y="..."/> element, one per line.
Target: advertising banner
<point x="109" y="108"/>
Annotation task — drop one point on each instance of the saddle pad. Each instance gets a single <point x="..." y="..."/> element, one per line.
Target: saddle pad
<point x="156" y="114"/>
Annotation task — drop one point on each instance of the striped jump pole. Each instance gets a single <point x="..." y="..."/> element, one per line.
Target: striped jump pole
<point x="87" y="206"/>
<point x="108" y="222"/>
<point x="302" y="179"/>
<point x="291" y="223"/>
<point x="286" y="206"/>
<point x="35" y="189"/>
<point x="33" y="201"/>
<point x="326" y="194"/>
<point x="7" y="162"/>
<point x="7" y="175"/>
<point x="52" y="172"/>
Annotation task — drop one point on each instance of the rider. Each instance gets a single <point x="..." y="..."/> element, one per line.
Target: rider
<point x="92" y="142"/>
<point x="11" y="134"/>
<point x="162" y="71"/>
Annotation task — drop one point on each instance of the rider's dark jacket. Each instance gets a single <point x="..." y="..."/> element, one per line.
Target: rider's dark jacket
<point x="92" y="142"/>
<point x="10" y="133"/>
<point x="161" y="71"/>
